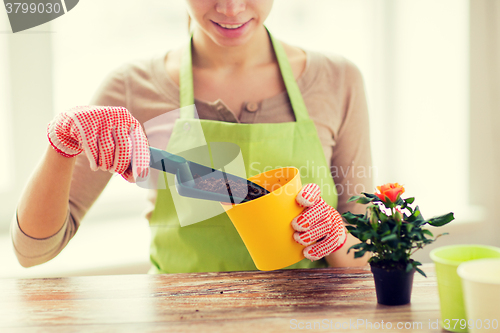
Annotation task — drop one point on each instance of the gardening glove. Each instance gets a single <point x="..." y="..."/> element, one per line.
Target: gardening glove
<point x="112" y="139"/>
<point x="319" y="227"/>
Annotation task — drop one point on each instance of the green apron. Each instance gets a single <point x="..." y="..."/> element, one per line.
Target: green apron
<point x="214" y="244"/>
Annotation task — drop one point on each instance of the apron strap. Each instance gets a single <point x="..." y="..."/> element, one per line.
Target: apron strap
<point x="294" y="94"/>
<point x="186" y="90"/>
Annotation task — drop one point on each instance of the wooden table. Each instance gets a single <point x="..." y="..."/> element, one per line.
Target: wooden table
<point x="278" y="301"/>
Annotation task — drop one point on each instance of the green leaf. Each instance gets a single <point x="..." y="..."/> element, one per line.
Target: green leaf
<point x="353" y="198"/>
<point x="420" y="271"/>
<point x="420" y="217"/>
<point x="413" y="216"/>
<point x="364" y="201"/>
<point x="350" y="228"/>
<point x="427" y="232"/>
<point x="389" y="238"/>
<point x="370" y="195"/>
<point x="410" y="200"/>
<point x="409" y="267"/>
<point x="416" y="217"/>
<point x="357" y="246"/>
<point x="359" y="254"/>
<point x="409" y="226"/>
<point x="365" y="236"/>
<point x="353" y="218"/>
<point x="383" y="217"/>
<point x="363" y="227"/>
<point x="384" y="229"/>
<point x="441" y="220"/>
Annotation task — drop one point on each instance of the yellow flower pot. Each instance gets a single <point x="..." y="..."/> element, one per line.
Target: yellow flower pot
<point x="264" y="224"/>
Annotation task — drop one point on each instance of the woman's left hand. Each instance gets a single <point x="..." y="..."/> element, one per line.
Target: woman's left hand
<point x="319" y="227"/>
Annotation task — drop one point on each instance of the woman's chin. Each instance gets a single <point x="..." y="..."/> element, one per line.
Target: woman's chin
<point x="231" y="42"/>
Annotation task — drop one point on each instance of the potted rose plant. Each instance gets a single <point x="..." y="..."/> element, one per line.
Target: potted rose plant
<point x="392" y="230"/>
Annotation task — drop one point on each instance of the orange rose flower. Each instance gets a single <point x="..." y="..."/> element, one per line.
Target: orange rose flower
<point x="390" y="193"/>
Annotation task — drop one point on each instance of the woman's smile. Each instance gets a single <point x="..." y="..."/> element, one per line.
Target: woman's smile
<point x="231" y="30"/>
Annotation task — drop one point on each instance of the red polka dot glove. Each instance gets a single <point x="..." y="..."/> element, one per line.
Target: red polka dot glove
<point x="112" y="139"/>
<point x="319" y="227"/>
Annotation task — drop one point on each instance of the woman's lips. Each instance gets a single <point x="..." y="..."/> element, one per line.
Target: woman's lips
<point x="230" y="26"/>
<point x="231" y="30"/>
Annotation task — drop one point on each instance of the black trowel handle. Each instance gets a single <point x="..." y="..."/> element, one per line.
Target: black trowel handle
<point x="165" y="161"/>
<point x="171" y="163"/>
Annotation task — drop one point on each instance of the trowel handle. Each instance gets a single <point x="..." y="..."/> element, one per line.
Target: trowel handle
<point x="177" y="165"/>
<point x="165" y="161"/>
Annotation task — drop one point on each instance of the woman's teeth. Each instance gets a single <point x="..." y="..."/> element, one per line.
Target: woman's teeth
<point x="230" y="26"/>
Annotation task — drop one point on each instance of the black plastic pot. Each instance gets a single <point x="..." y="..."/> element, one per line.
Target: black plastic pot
<point x="393" y="286"/>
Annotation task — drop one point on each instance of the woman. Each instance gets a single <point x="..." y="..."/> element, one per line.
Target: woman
<point x="244" y="82"/>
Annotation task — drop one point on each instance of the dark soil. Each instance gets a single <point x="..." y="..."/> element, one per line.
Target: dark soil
<point x="390" y="265"/>
<point x="239" y="189"/>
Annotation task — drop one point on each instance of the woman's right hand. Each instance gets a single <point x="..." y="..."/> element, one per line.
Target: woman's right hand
<point x="112" y="139"/>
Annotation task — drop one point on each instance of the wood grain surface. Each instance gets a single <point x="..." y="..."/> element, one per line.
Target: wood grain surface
<point x="278" y="301"/>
